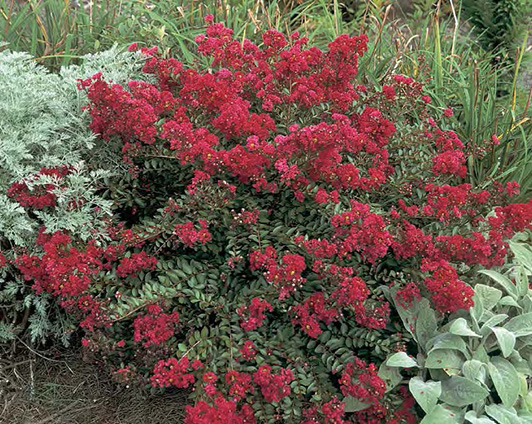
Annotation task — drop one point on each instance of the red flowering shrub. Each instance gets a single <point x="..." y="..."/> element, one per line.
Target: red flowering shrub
<point x="272" y="198"/>
<point x="41" y="196"/>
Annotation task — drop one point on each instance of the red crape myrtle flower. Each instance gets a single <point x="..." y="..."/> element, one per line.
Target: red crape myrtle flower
<point x="248" y="351"/>
<point x="135" y="263"/>
<point x="173" y="372"/>
<point x="253" y="314"/>
<point x="188" y="234"/>
<point x="222" y="412"/>
<point x="449" y="294"/>
<point x="29" y="193"/>
<point x="63" y="270"/>
<point x="273" y="387"/>
<point x="155" y="327"/>
<point x="362" y="382"/>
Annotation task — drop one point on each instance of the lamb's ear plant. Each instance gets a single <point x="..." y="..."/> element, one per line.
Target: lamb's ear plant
<point x="474" y="367"/>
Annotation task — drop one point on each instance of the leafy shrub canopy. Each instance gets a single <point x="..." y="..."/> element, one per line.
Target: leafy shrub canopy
<point x="271" y="204"/>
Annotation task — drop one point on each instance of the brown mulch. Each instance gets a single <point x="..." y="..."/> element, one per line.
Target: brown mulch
<point x="35" y="388"/>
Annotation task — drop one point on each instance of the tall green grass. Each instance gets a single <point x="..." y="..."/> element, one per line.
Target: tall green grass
<point x="499" y="24"/>
<point x="56" y="33"/>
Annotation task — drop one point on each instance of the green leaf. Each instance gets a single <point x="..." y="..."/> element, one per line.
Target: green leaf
<point x="426" y="324"/>
<point x="527" y="401"/>
<point x="401" y="359"/>
<point x="426" y="393"/>
<point x="477" y="310"/>
<point x="441" y="415"/>
<point x="450" y="341"/>
<point x="492" y="322"/>
<point x="502" y="280"/>
<point x="521" y="281"/>
<point x="444" y="358"/>
<point x="474" y="370"/>
<point x="461" y="391"/>
<point x="506" y="340"/>
<point x="391" y="376"/>
<point x="460" y="327"/>
<point x="353" y="404"/>
<point x="522" y="254"/>
<point x="471" y="416"/>
<point x="488" y="295"/>
<point x="502" y="415"/>
<point x="480" y="354"/>
<point x="509" y="301"/>
<point x="520" y="325"/>
<point x="408" y="315"/>
<point x="505" y="379"/>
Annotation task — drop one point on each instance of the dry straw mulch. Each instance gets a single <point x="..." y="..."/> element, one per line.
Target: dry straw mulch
<point x="50" y="388"/>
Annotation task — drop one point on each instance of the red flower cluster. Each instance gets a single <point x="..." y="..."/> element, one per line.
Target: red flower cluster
<point x="351" y="295"/>
<point x="156" y="327"/>
<point x="451" y="158"/>
<point x="273" y="387"/>
<point x="239" y="384"/>
<point x="246" y="217"/>
<point x="90" y="311"/>
<point x="130" y="114"/>
<point x="248" y="351"/>
<point x="287" y="276"/>
<point x="510" y="219"/>
<point x="313" y="310"/>
<point x="322" y="249"/>
<point x="63" y="270"/>
<point x="406" y="296"/>
<point x="449" y="294"/>
<point x="331" y="412"/>
<point x="137" y="262"/>
<point x="365" y="233"/>
<point x="173" y="372"/>
<point x="29" y="193"/>
<point x="448" y="202"/>
<point x="411" y="241"/>
<point x="362" y="382"/>
<point x="253" y="313"/>
<point x="188" y="234"/>
<point x="222" y="412"/>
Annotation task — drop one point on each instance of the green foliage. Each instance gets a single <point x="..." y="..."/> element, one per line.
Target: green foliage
<point x="476" y="366"/>
<point x="58" y="32"/>
<point x="41" y="120"/>
<point x="499" y="24"/>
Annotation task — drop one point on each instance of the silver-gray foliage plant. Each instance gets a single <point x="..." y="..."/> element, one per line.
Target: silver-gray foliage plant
<point x="42" y="125"/>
